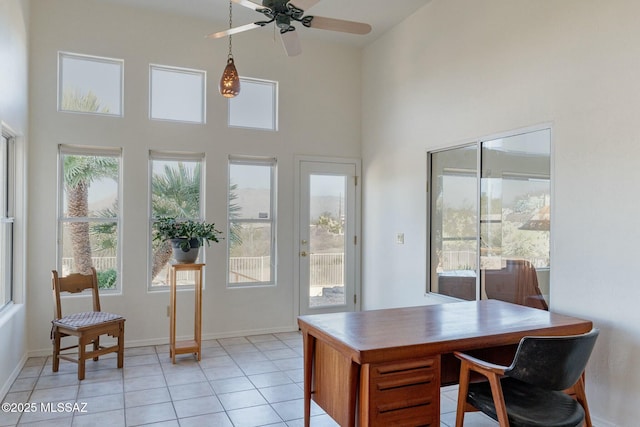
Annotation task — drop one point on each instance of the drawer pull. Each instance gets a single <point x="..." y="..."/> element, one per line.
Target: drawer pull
<point x="405" y="382"/>
<point x="406" y="366"/>
<point x="407" y="404"/>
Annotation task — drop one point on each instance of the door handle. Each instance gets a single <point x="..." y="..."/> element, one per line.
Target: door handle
<point x="303" y="253"/>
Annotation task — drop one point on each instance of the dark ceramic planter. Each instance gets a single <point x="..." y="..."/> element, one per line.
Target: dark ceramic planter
<point x="185" y="256"/>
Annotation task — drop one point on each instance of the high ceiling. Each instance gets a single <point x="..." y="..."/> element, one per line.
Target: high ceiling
<point x="381" y="14"/>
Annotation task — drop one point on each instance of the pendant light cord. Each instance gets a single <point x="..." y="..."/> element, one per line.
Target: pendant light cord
<point x="230" y="81"/>
<point x="230" y="26"/>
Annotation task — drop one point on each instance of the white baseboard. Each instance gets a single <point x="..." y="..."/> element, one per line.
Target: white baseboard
<point x="14" y="374"/>
<point x="598" y="422"/>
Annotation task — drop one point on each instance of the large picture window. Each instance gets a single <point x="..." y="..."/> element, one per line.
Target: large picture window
<point x="251" y="241"/>
<point x="7" y="183"/>
<point x="89" y="213"/>
<point x="176" y="191"/>
<point x="489" y="215"/>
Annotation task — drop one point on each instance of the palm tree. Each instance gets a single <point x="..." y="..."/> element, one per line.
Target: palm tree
<point x="79" y="173"/>
<point x="75" y="100"/>
<point x="176" y="193"/>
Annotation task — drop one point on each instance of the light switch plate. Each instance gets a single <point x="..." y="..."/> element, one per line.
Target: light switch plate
<point x="400" y="238"/>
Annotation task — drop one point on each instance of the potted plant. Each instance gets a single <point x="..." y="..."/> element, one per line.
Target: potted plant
<point x="186" y="236"/>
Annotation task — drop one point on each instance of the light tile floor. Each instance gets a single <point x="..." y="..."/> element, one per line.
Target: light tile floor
<point x="241" y="382"/>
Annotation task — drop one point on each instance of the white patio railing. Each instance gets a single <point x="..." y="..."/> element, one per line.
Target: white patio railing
<point x="324" y="269"/>
<point x="99" y="263"/>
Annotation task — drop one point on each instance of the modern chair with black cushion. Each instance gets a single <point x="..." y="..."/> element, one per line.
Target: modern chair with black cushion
<point x="86" y="326"/>
<point x="531" y="392"/>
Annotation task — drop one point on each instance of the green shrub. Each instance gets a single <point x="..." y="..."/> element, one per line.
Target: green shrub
<point x="107" y="278"/>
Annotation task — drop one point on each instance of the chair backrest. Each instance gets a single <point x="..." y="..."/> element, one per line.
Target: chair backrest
<point x="74" y="283"/>
<point x="516" y="283"/>
<point x="553" y="363"/>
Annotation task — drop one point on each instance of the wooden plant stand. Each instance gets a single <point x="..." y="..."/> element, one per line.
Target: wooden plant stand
<point x="186" y="346"/>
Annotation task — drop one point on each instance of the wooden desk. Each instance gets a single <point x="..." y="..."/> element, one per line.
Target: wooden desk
<point x="391" y="363"/>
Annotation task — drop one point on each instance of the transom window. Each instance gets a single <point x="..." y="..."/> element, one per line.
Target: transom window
<point x="89" y="213"/>
<point x="251" y="228"/>
<point x="256" y="106"/>
<point x="177" y="94"/>
<point x="90" y="84"/>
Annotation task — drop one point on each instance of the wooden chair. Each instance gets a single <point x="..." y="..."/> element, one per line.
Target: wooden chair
<point x="516" y="283"/>
<point x="87" y="326"/>
<point x="530" y="392"/>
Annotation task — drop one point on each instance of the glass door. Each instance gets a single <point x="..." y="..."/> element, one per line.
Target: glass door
<point x="327" y="239"/>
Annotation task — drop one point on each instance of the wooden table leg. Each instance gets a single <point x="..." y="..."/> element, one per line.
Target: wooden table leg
<point x="309" y="343"/>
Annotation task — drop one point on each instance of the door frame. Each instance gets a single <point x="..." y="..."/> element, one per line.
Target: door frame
<point x="357" y="163"/>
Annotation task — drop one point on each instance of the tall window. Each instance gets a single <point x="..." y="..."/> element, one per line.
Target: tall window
<point x="89" y="213"/>
<point x="490" y="219"/>
<point x="176" y="191"/>
<point x="90" y="84"/>
<point x="256" y="106"/>
<point x="252" y="227"/>
<point x="7" y="182"/>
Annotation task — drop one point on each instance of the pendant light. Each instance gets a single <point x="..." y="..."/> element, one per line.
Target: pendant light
<point x="230" y="81"/>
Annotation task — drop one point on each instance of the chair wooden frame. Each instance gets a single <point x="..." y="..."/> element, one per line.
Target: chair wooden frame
<point x="493" y="373"/>
<point x="87" y="327"/>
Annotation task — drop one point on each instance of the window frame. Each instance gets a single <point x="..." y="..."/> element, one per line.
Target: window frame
<point x="80" y="150"/>
<point x="177" y="156"/>
<point x="7" y="214"/>
<point x="275" y="86"/>
<point x="477" y="144"/>
<point x="272" y="163"/>
<point x="93" y="58"/>
<point x="182" y="70"/>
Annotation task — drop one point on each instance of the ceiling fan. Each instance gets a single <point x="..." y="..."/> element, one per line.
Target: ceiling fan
<point x="285" y="13"/>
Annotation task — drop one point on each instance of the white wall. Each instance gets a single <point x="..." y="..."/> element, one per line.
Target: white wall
<point x="319" y="115"/>
<point x="14" y="25"/>
<point x="461" y="69"/>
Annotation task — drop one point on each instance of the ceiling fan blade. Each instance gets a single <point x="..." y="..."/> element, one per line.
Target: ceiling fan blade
<point x="340" y="25"/>
<point x="304" y="4"/>
<point x="249" y="4"/>
<point x="291" y="43"/>
<point x="233" y="31"/>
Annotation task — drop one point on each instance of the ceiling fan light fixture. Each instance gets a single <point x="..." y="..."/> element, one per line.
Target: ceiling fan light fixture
<point x="230" y="81"/>
<point x="285" y="15"/>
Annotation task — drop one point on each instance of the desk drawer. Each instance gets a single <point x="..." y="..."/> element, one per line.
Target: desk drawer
<point x="405" y="393"/>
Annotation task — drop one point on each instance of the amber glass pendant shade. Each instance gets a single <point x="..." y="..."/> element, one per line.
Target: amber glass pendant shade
<point x="230" y="81"/>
